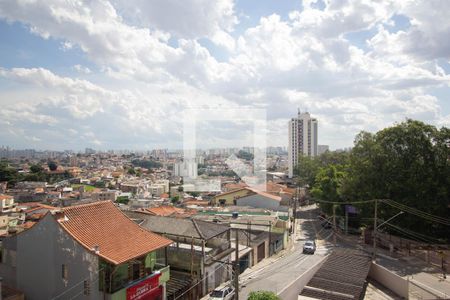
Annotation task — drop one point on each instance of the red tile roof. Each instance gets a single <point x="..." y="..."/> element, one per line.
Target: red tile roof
<point x="102" y="224"/>
<point x="2" y="197"/>
<point x="165" y="211"/>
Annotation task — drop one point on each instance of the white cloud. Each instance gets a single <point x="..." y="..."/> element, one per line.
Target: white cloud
<point x="304" y="61"/>
<point x="82" y="69"/>
<point x="188" y="19"/>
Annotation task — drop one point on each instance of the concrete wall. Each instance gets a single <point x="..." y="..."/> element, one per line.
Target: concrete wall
<point x="390" y="280"/>
<point x="41" y="252"/>
<point x="9" y="261"/>
<point x="295" y="287"/>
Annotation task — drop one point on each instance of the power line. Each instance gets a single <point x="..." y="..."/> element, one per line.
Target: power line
<point x="416" y="212"/>
<point x="344" y="202"/>
<point x="415" y="235"/>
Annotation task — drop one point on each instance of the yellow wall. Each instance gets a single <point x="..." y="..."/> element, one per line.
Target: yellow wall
<point x="230" y="196"/>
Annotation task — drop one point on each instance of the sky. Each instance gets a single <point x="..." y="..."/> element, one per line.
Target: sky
<point x="125" y="74"/>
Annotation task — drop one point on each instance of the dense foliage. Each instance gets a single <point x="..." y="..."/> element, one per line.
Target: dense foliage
<point x="263" y="295"/>
<point x="37" y="173"/>
<point x="52" y="166"/>
<point x="408" y="163"/>
<point x="147" y="164"/>
<point x="245" y="155"/>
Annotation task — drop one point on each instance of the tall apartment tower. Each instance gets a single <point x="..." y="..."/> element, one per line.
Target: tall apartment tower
<point x="302" y="139"/>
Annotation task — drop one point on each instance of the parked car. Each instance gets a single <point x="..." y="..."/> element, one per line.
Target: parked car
<point x="309" y="247"/>
<point x="224" y="293"/>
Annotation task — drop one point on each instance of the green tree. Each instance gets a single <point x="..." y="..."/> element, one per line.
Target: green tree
<point x="52" y="166"/>
<point x="36" y="169"/>
<point x="131" y="171"/>
<point x="408" y="163"/>
<point x="245" y="155"/>
<point x="263" y="295"/>
<point x="175" y="199"/>
<point x="306" y="170"/>
<point x="194" y="194"/>
<point x="328" y="186"/>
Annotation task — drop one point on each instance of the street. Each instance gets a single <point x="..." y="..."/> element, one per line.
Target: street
<point x="275" y="273"/>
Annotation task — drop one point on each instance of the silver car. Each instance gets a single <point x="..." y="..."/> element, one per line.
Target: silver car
<point x="225" y="293"/>
<point x="309" y="247"/>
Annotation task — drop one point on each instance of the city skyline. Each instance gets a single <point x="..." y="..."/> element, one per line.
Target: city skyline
<point x="118" y="75"/>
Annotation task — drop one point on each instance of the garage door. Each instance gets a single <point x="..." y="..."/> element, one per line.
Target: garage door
<point x="261" y="251"/>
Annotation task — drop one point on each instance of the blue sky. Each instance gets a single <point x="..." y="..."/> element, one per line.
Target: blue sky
<point x="121" y="74"/>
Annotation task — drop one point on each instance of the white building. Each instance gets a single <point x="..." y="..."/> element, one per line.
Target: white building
<point x="7" y="204"/>
<point x="186" y="169"/>
<point x="303" y="134"/>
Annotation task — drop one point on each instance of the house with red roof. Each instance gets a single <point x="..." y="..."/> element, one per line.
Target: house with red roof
<point x="90" y="251"/>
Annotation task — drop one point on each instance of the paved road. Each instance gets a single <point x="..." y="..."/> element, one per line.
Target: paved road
<point x="274" y="274"/>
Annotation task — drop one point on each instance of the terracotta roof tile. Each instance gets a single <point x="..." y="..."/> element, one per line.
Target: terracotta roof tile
<point x="2" y="197"/>
<point x="102" y="224"/>
<point x="164" y="210"/>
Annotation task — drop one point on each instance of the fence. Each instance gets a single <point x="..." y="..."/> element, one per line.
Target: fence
<point x="436" y="255"/>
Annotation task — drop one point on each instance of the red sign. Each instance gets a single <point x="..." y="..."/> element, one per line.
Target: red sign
<point x="145" y="289"/>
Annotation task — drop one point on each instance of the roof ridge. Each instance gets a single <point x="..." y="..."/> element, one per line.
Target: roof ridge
<point x="86" y="205"/>
<point x="200" y="233"/>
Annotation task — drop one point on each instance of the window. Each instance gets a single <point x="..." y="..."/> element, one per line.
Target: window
<point x="64" y="272"/>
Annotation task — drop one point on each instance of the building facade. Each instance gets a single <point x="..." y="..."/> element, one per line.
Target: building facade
<point x="90" y="251"/>
<point x="303" y="137"/>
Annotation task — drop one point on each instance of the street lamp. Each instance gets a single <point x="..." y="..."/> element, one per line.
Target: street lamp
<point x="375" y="233"/>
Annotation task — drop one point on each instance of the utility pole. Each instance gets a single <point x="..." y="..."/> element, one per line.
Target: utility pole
<point x="334" y="224"/>
<point x="375" y="230"/>
<point x="346" y="220"/>
<point x="236" y="267"/>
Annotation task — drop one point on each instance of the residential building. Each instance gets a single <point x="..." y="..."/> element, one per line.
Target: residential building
<point x="303" y="137"/>
<point x="7" y="204"/>
<point x="201" y="249"/>
<point x="185" y="169"/>
<point x="104" y="195"/>
<point x="258" y="199"/>
<point x="277" y="198"/>
<point x="168" y="211"/>
<point x="90" y="251"/>
<point x="229" y="198"/>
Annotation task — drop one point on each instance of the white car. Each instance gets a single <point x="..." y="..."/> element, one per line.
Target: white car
<point x="225" y="293"/>
<point x="309" y="247"/>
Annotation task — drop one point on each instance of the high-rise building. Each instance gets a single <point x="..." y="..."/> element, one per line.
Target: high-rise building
<point x="303" y="132"/>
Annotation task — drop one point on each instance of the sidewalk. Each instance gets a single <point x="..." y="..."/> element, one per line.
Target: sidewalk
<point x="426" y="281"/>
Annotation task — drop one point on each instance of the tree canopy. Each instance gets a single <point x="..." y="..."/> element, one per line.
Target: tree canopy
<point x="52" y="166"/>
<point x="263" y="295"/>
<point x="408" y="163"/>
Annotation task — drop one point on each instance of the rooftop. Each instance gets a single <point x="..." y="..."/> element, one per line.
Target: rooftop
<point x="102" y="224"/>
<point x="181" y="227"/>
<point x="3" y="197"/>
